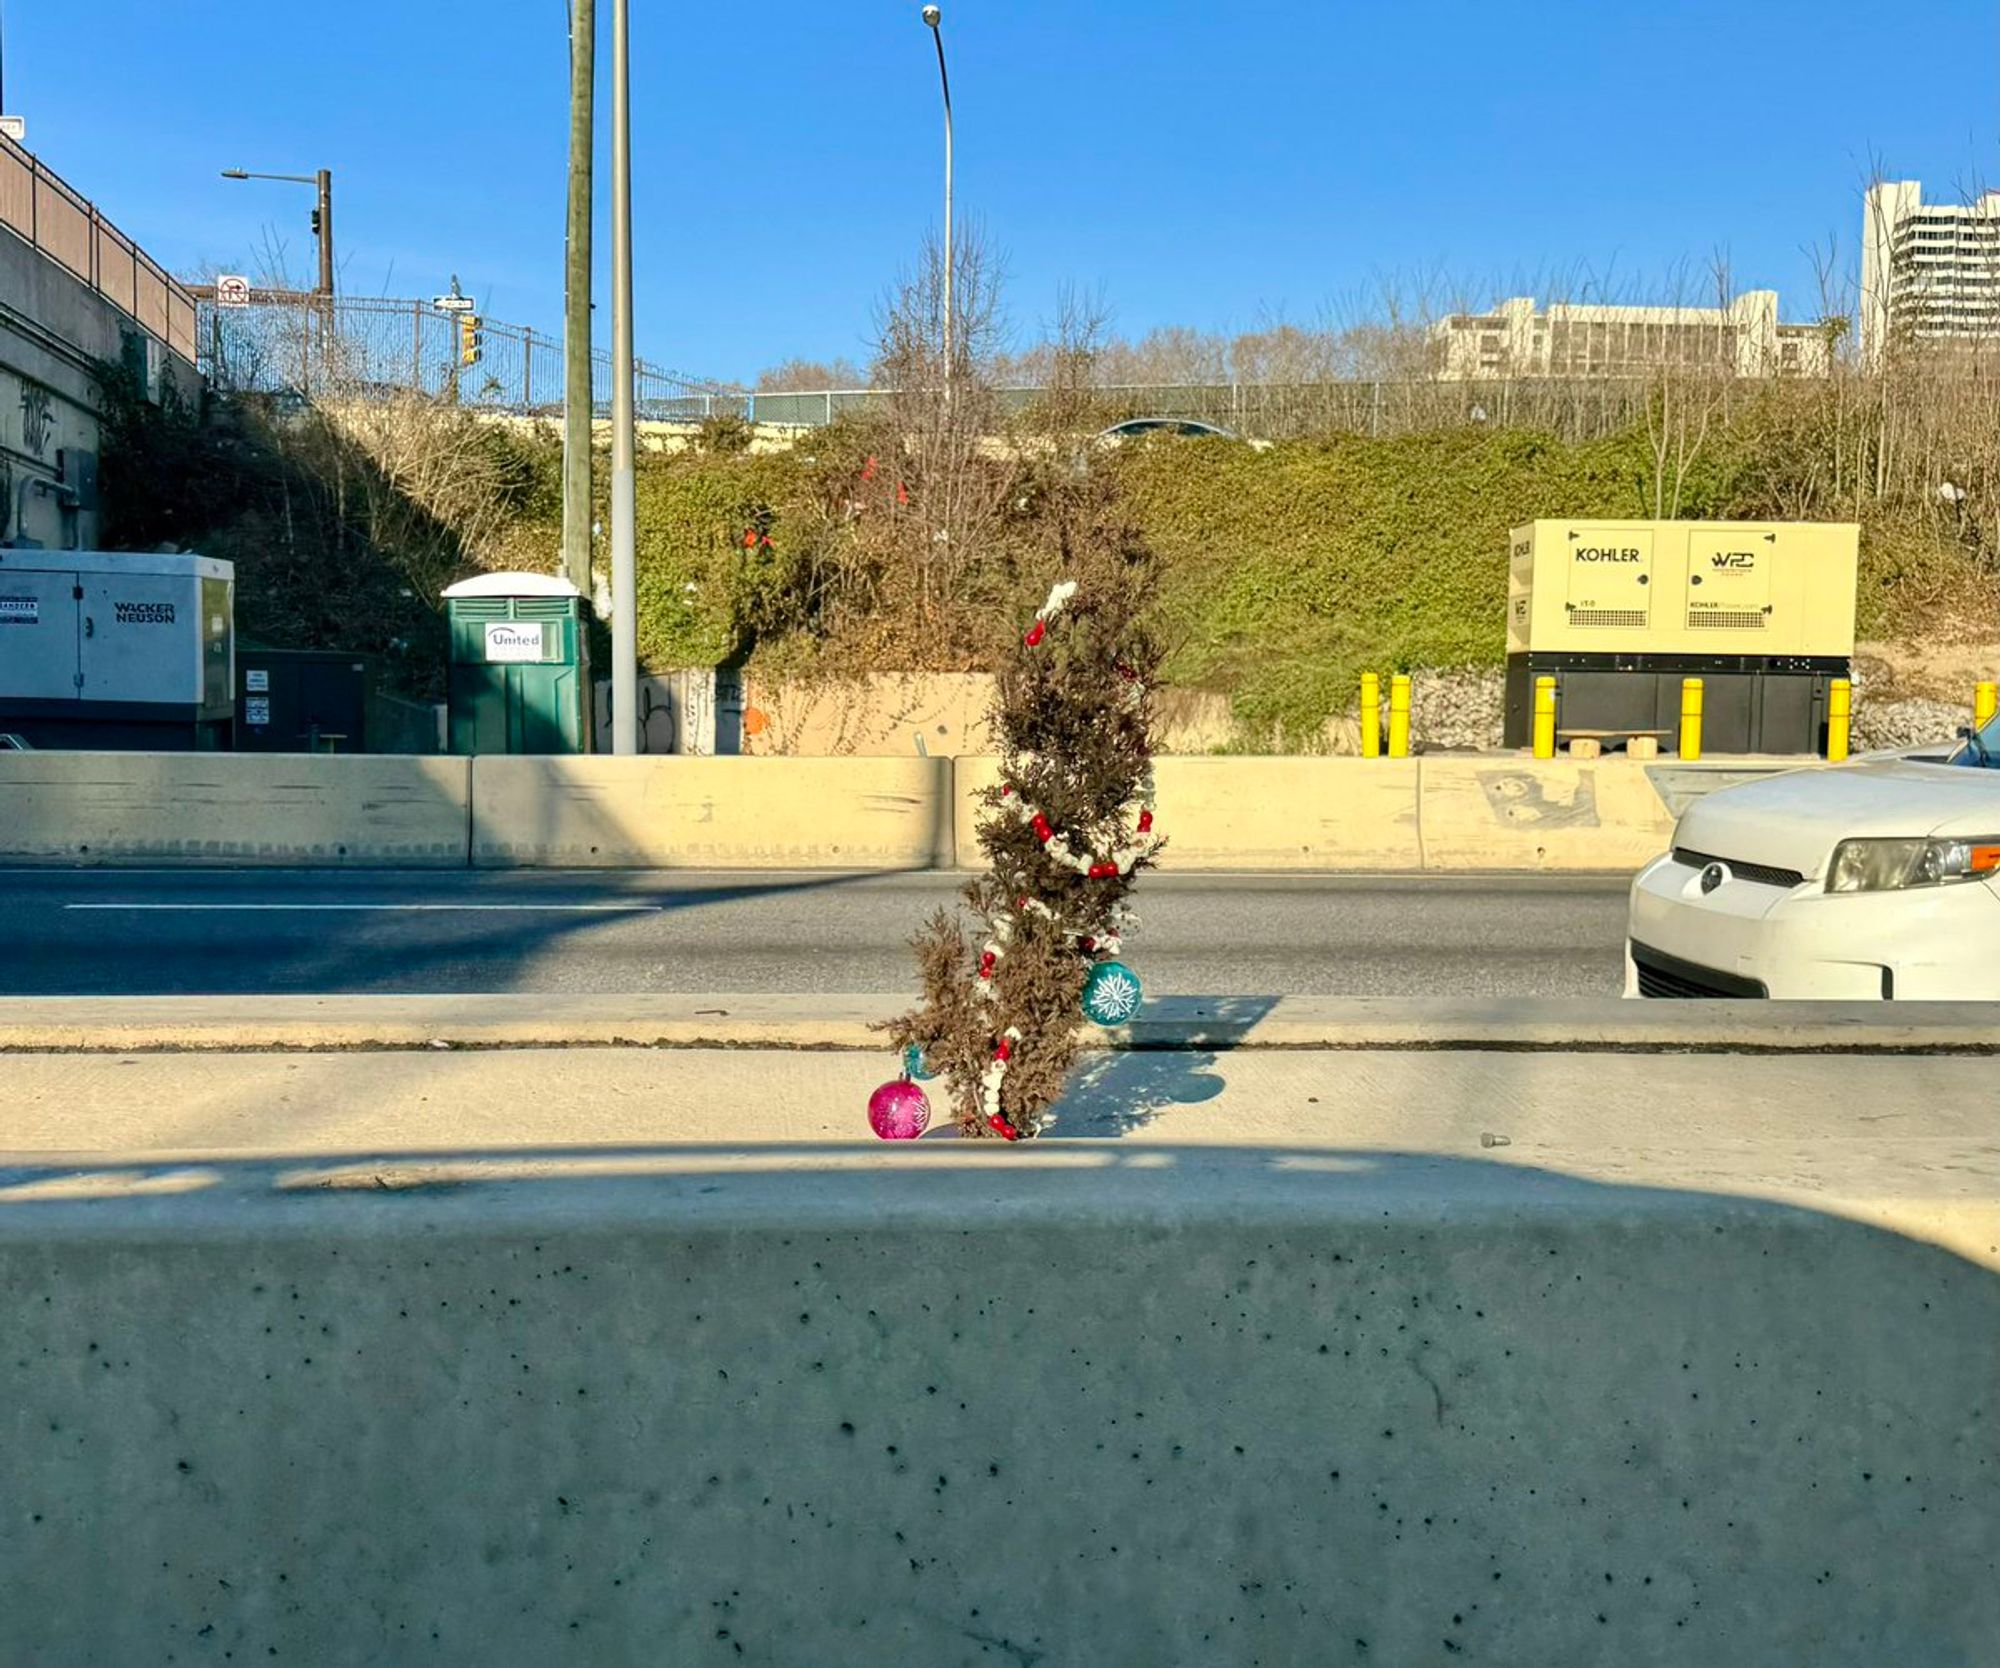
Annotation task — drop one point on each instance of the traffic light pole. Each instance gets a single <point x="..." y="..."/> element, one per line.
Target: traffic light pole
<point x="324" y="180"/>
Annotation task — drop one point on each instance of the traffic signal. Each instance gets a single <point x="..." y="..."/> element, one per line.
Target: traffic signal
<point x="471" y="339"/>
<point x="315" y="222"/>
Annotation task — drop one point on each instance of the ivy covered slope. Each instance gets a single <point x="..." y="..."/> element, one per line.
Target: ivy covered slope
<point x="1281" y="572"/>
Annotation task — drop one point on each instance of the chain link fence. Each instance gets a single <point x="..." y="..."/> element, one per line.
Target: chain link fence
<point x="1575" y="409"/>
<point x="349" y="347"/>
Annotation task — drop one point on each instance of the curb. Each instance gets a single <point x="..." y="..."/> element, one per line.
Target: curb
<point x="183" y="1024"/>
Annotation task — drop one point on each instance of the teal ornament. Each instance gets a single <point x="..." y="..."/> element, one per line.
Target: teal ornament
<point x="1112" y="994"/>
<point x="915" y="1065"/>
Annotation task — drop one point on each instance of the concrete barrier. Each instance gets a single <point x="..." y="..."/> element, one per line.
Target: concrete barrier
<point x="1259" y="813"/>
<point x="234" y="808"/>
<point x="853" y="813"/>
<point x="836" y="1407"/>
<point x="1506" y="813"/>
<point x="1448" y="813"/>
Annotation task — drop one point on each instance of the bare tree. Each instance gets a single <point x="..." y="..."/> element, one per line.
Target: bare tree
<point x="811" y="376"/>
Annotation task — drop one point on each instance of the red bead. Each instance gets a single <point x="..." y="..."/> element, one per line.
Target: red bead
<point x="1036" y="633"/>
<point x="1145" y="822"/>
<point x="1002" y="1128"/>
<point x="1004" y="1052"/>
<point x="1103" y="871"/>
<point x="986" y="965"/>
<point x="1043" y="831"/>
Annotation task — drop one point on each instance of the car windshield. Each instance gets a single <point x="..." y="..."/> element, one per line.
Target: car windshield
<point x="1981" y="750"/>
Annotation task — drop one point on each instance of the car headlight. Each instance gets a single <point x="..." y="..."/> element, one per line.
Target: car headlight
<point x="1891" y="865"/>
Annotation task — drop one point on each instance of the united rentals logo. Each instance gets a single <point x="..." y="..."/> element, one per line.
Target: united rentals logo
<point x="515" y="642"/>
<point x="143" y="613"/>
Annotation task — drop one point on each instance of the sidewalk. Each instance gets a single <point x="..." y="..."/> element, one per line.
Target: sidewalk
<point x="1899" y="1140"/>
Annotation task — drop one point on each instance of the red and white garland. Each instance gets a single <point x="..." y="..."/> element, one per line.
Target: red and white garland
<point x="1059" y="599"/>
<point x="1121" y="860"/>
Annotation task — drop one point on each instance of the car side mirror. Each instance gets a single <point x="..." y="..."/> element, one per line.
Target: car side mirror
<point x="1965" y="732"/>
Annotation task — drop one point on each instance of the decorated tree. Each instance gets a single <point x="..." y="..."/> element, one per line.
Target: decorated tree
<point x="1065" y="832"/>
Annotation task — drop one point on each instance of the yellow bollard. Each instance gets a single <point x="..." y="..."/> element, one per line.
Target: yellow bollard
<point x="1399" y="716"/>
<point x="1839" y="718"/>
<point x="1985" y="702"/>
<point x="1545" y="718"/>
<point x="1371" y="716"/>
<point x="1690" y="718"/>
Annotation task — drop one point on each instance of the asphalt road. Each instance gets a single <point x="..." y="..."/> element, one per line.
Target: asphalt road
<point x="183" y="932"/>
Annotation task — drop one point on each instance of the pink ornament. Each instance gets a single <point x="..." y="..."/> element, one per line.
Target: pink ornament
<point x="899" y="1111"/>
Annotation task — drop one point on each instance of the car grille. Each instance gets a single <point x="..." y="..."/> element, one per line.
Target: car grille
<point x="1668" y="976"/>
<point x="1765" y="874"/>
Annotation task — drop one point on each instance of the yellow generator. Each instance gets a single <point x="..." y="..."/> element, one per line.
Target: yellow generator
<point x="1621" y="612"/>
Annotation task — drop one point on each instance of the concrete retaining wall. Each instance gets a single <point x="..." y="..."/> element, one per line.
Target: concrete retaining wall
<point x="234" y="808"/>
<point x="1228" y="1406"/>
<point x="711" y="813"/>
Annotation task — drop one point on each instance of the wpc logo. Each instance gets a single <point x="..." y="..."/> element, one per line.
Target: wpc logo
<point x="1739" y="561"/>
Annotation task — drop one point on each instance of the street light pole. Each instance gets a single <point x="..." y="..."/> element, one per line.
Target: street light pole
<point x="579" y="406"/>
<point x="934" y="17"/>
<point x="624" y="491"/>
<point x="322" y="182"/>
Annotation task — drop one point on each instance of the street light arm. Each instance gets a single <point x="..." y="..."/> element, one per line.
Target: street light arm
<point x="245" y="174"/>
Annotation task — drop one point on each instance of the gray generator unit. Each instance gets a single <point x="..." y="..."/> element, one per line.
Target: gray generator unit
<point x="112" y="651"/>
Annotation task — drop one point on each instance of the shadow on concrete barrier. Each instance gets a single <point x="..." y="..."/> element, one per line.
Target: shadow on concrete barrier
<point x="234" y="808"/>
<point x="1090" y="1405"/>
<point x="864" y="814"/>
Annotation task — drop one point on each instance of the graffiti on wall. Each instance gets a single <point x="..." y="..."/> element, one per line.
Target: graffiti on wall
<point x="37" y="418"/>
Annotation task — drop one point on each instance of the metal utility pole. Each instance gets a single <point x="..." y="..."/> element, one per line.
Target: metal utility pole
<point x="934" y="17"/>
<point x="578" y="399"/>
<point x="324" y="180"/>
<point x="624" y="493"/>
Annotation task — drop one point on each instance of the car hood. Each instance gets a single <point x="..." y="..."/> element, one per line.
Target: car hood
<point x="1794" y="820"/>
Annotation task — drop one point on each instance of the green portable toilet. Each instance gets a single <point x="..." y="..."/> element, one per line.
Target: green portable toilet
<point x="520" y="665"/>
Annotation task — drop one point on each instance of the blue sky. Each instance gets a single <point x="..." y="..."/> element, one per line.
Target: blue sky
<point x="1218" y="164"/>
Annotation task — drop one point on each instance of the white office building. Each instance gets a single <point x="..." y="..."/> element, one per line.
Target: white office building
<point x="1515" y="338"/>
<point x="1930" y="272"/>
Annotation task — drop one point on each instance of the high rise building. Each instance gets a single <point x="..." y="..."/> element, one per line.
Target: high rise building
<point x="1930" y="272"/>
<point x="1517" y="339"/>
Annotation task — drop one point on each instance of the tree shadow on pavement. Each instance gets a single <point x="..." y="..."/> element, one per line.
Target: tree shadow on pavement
<point x="1118" y="1091"/>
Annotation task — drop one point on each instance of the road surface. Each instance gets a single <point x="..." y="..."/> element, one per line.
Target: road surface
<point x="242" y="932"/>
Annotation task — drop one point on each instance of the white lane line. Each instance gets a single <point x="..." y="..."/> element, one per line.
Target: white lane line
<point x="392" y="909"/>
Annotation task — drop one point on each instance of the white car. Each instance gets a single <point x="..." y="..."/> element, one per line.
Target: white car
<point x="1862" y="881"/>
